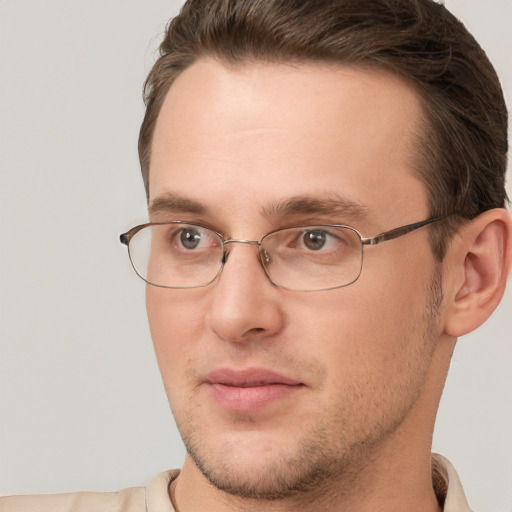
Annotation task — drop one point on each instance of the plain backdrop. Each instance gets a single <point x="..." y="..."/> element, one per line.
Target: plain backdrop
<point x="82" y="405"/>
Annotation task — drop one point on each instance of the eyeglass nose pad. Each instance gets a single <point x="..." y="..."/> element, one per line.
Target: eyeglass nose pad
<point x="266" y="256"/>
<point x="224" y="257"/>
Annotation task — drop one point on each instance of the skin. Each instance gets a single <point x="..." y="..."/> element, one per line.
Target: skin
<point x="371" y="358"/>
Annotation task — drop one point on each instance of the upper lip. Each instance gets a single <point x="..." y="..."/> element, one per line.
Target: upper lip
<point x="249" y="377"/>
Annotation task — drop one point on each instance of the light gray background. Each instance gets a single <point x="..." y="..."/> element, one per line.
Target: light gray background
<point x="82" y="406"/>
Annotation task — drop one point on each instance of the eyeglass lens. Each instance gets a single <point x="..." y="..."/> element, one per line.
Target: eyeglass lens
<point x="178" y="255"/>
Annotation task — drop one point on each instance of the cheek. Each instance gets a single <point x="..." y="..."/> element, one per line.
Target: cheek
<point x="370" y="331"/>
<point x="176" y="324"/>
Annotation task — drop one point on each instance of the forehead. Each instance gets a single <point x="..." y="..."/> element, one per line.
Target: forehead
<point x="263" y="131"/>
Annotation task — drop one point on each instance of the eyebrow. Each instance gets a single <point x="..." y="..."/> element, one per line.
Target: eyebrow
<point x="173" y="203"/>
<point x="332" y="205"/>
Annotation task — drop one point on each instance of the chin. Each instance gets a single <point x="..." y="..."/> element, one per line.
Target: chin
<point x="260" y="466"/>
<point x="259" y="477"/>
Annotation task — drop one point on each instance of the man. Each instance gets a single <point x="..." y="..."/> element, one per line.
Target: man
<point x="325" y="184"/>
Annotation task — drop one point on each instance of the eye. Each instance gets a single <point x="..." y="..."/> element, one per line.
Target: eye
<point x="315" y="239"/>
<point x="325" y="241"/>
<point x="305" y="245"/>
<point x="190" y="238"/>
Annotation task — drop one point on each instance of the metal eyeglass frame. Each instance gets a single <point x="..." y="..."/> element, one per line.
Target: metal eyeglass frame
<point x="382" y="237"/>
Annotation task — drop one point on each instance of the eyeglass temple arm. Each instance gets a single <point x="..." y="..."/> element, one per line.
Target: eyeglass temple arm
<point x="397" y="232"/>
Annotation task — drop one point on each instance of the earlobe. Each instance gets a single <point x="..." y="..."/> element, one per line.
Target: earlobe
<point x="481" y="256"/>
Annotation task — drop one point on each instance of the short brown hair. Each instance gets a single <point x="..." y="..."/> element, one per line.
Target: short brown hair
<point x="463" y="145"/>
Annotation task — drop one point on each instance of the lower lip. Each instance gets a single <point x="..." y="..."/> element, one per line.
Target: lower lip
<point x="250" y="399"/>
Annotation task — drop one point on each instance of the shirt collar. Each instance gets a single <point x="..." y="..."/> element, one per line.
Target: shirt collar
<point x="447" y="485"/>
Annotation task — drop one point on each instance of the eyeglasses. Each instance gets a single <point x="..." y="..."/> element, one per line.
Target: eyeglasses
<point x="180" y="254"/>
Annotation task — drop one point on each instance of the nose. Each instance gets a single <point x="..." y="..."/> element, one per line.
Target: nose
<point x="245" y="305"/>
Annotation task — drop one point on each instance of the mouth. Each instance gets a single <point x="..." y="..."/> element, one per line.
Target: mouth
<point x="251" y="389"/>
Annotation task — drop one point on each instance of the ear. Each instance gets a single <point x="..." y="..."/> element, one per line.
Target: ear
<point x="477" y="267"/>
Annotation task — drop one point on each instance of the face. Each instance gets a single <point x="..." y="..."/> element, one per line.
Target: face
<point x="273" y="390"/>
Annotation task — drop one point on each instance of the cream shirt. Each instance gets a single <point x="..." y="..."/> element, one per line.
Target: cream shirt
<point x="155" y="496"/>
